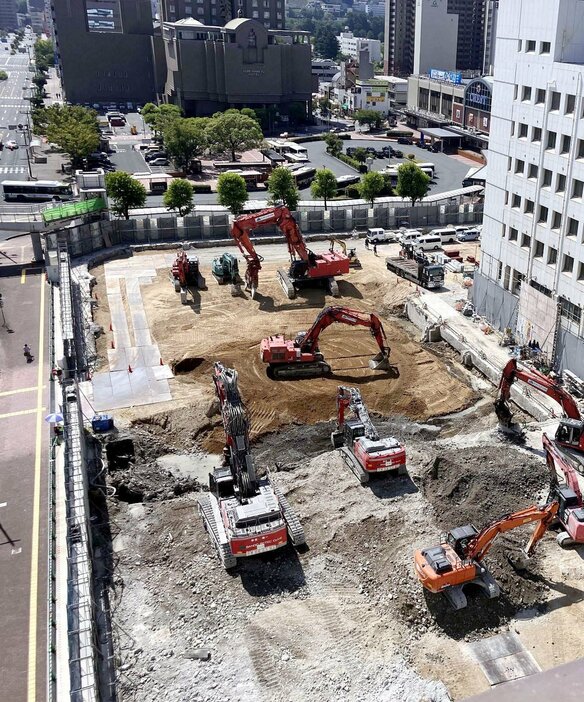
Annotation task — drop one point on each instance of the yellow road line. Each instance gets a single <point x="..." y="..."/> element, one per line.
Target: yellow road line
<point x="17" y="391"/>
<point x="23" y="276"/>
<point x="6" y="415"/>
<point x="34" y="546"/>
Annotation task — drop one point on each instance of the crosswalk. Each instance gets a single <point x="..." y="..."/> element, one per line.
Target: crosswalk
<point x="7" y="170"/>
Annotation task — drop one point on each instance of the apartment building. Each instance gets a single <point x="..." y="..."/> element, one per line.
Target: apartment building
<point x="271" y="13"/>
<point x="531" y="276"/>
<point x="350" y="45"/>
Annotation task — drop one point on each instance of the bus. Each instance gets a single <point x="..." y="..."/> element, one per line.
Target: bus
<point x="293" y="152"/>
<point x="304" y="176"/>
<point x="36" y="190"/>
<point x="392" y="172"/>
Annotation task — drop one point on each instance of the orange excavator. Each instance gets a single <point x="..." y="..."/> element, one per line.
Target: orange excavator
<point x="568" y="494"/>
<point x="570" y="433"/>
<point x="458" y="560"/>
<point x="306" y="267"/>
<point x="301" y="357"/>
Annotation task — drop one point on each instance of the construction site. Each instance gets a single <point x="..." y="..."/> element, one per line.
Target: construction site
<point x="340" y="514"/>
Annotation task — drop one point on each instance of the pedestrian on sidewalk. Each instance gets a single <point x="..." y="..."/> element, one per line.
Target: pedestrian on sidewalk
<point x="375" y="249"/>
<point x="27" y="353"/>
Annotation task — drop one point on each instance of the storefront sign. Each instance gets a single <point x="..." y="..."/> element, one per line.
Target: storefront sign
<point x="446" y="76"/>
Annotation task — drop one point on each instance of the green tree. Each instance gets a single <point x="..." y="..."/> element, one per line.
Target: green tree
<point x="234" y="132"/>
<point x="360" y="154"/>
<point x="44" y="55"/>
<point x="232" y="192"/>
<point x="282" y="188"/>
<point x="125" y="192"/>
<point x="39" y="80"/>
<point x="149" y="112"/>
<point x="370" y="117"/>
<point x="3" y="75"/>
<point x="371" y="186"/>
<point x="73" y="128"/>
<point x="166" y="115"/>
<point x="248" y="112"/>
<point x="324" y="185"/>
<point x="326" y="43"/>
<point x="412" y="182"/>
<point x="179" y="196"/>
<point x="334" y="144"/>
<point x="185" y="139"/>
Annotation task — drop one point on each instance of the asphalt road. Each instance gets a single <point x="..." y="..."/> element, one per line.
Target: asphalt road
<point x="23" y="489"/>
<point x="449" y="171"/>
<point x="13" y="111"/>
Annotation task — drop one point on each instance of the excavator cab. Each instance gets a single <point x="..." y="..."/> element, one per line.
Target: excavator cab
<point x="354" y="429"/>
<point x="459" y="539"/>
<point x="221" y="482"/>
<point x="569" y="433"/>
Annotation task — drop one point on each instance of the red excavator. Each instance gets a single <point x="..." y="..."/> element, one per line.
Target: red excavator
<point x="568" y="494"/>
<point x="570" y="433"/>
<point x="361" y="448"/>
<point x="306" y="267"/>
<point x="301" y="357"/>
<point x="185" y="274"/>
<point x="458" y="560"/>
<point x="244" y="515"/>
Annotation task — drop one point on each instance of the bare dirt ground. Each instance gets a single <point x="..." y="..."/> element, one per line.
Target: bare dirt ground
<point x="345" y="618"/>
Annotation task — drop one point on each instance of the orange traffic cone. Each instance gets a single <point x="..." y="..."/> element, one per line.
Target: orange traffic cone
<point x="129" y="369"/>
<point x="161" y="363"/>
<point x="113" y="345"/>
<point x="111" y="328"/>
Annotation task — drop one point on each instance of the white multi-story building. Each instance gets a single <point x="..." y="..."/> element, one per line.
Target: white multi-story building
<point x="350" y="45"/>
<point x="436" y="37"/>
<point x="532" y="262"/>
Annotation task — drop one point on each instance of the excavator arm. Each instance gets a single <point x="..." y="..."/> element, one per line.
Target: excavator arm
<point x="351" y="398"/>
<point x="554" y="460"/>
<point x="282" y="218"/>
<point x="536" y="380"/>
<point x="237" y="448"/>
<point x="478" y="547"/>
<point x="344" y="315"/>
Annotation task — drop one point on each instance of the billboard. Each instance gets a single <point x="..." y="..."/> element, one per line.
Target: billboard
<point x="446" y="76"/>
<point x="103" y="15"/>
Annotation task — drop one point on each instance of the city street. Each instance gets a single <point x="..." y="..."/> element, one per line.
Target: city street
<point x="13" y="109"/>
<point x="23" y="488"/>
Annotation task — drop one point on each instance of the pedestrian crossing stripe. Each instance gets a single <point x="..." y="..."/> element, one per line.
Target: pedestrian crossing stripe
<point x="12" y="169"/>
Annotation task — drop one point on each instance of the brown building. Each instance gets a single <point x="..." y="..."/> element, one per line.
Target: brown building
<point x="106" y="51"/>
<point x="271" y="13"/>
<point x="242" y="64"/>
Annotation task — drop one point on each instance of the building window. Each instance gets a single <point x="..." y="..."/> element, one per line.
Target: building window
<point x="516" y="282"/>
<point x="545" y="47"/>
<point x="532" y="172"/>
<point x="515" y="91"/>
<point x="572" y="227"/>
<point x="266" y="15"/>
<point x="529" y="205"/>
<point x="530" y="46"/>
<point x="536" y="136"/>
<point x="515" y="201"/>
<point x="556" y="220"/>
<point x="552" y="256"/>
<point x="513" y="233"/>
<point x="570" y="311"/>
<point x="577" y="188"/>
<point x="540" y="96"/>
<point x="200" y="11"/>
<point x="538" y="251"/>
<point x="566" y="143"/>
<point x="547" y="178"/>
<point x="526" y="93"/>
<point x="581" y="271"/>
<point x="519" y="166"/>
<point x="522" y="131"/>
<point x="561" y="183"/>
<point x="580" y="151"/>
<point x="255" y="14"/>
<point x="543" y="214"/>
<point x="568" y="264"/>
<point x="555" y="101"/>
<point x="525" y="241"/>
<point x="551" y="141"/>
<point x="570" y="104"/>
<point x="188" y="9"/>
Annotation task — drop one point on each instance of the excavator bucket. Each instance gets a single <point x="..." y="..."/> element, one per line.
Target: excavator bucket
<point x="504" y="414"/>
<point x="380" y="362"/>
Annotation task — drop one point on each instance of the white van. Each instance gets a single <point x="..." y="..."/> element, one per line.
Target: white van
<point x="409" y="236"/>
<point x="447" y="235"/>
<point x="429" y="242"/>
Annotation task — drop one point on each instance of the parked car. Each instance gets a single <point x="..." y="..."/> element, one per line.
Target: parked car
<point x="405" y="140"/>
<point x="153" y="155"/>
<point x="397" y="153"/>
<point x="159" y="162"/>
<point x="377" y="235"/>
<point x="469" y="235"/>
<point x="11" y="145"/>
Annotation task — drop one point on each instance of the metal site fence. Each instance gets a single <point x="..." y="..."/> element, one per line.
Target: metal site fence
<point x="88" y="238"/>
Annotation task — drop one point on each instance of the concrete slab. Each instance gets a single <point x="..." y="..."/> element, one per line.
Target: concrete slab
<point x="160" y="372"/>
<point x="135" y="358"/>
<point x="503" y="658"/>
<point x="142" y="337"/>
<point x="117" y="359"/>
<point x="140" y="384"/>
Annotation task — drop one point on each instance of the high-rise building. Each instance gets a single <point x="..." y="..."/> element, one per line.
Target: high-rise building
<point x="531" y="276"/>
<point x="490" y="22"/>
<point x="106" y="50"/>
<point x="398" y="51"/>
<point x="8" y="19"/>
<point x="271" y="13"/>
<point x="350" y="45"/>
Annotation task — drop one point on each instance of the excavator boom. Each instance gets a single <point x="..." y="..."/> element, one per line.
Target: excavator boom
<point x="555" y="459"/>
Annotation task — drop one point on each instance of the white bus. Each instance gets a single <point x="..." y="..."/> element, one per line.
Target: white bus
<point x="36" y="190"/>
<point x="289" y="149"/>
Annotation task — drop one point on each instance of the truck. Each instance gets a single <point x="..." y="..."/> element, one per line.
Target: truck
<point x="419" y="270"/>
